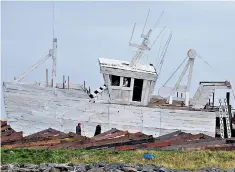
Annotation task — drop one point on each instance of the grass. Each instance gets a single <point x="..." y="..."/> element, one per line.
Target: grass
<point x="172" y="159"/>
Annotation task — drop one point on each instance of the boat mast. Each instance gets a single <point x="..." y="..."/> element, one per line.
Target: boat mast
<point x="144" y="45"/>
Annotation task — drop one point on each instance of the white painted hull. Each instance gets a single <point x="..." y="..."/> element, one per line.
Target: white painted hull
<point x="31" y="108"/>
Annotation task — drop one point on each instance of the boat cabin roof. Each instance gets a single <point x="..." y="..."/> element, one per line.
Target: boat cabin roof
<point x="124" y="65"/>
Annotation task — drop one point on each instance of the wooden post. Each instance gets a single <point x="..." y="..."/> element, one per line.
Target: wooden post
<point x="228" y="98"/>
<point x="63" y="81"/>
<point x="46" y="77"/>
<point x="68" y="82"/>
<point x="84" y="85"/>
<point x="51" y="82"/>
<point x="89" y="90"/>
<point x="209" y="101"/>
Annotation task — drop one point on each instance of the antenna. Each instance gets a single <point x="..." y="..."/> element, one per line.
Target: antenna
<point x="132" y="33"/>
<point x="145" y="21"/>
<point x="158" y="20"/>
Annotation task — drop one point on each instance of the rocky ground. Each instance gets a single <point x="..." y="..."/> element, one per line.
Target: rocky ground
<point x="95" y="167"/>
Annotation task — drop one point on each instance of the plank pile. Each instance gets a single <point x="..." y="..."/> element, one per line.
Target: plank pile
<point x="112" y="139"/>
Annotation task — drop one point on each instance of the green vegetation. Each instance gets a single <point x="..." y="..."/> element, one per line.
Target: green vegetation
<point x="171" y="159"/>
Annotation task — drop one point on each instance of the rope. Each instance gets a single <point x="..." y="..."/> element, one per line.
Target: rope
<point x="158" y="20"/>
<point x="164" y="53"/>
<point x="160" y="47"/>
<point x="175" y="71"/>
<point x="158" y="37"/>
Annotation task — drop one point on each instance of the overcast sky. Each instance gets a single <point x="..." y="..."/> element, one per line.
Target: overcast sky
<point x="89" y="30"/>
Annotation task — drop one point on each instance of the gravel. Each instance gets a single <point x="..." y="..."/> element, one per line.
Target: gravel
<point x="96" y="167"/>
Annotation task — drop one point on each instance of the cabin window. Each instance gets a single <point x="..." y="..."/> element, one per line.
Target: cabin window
<point x="137" y="90"/>
<point x="126" y="82"/>
<point x="115" y="80"/>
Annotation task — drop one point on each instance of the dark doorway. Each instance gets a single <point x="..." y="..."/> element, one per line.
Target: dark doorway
<point x="137" y="90"/>
<point x="97" y="130"/>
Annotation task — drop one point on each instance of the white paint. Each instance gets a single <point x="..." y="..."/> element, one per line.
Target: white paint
<point x="186" y="102"/>
<point x="30" y="108"/>
<point x="124" y="65"/>
<point x="54" y="61"/>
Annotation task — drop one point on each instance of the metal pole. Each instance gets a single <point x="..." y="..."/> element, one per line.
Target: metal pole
<point x="229" y="108"/>
<point x="213" y="98"/>
<point x="54" y="61"/>
<point x="68" y="82"/>
<point x="46" y="77"/>
<point x="63" y="81"/>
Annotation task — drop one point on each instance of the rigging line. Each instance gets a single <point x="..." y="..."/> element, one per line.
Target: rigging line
<point x="157" y="37"/>
<point x="160" y="47"/>
<point x="214" y="69"/>
<point x="204" y="60"/>
<point x="163" y="57"/>
<point x="158" y="20"/>
<point x="132" y="33"/>
<point x="175" y="71"/>
<point x="146" y="21"/>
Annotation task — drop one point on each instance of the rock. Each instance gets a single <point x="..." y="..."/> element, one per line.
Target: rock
<point x="163" y="169"/>
<point x="51" y="164"/>
<point x="80" y="168"/>
<point x="115" y="166"/>
<point x="4" y="167"/>
<point x="48" y="169"/>
<point x="96" y="170"/>
<point x="102" y="163"/>
<point x="53" y="169"/>
<point x="71" y="164"/>
<point x="231" y="170"/>
<point x="150" y="168"/>
<point x="43" y="167"/>
<point x="95" y="165"/>
<point x="129" y="169"/>
<point x="11" y="166"/>
<point x="24" y="170"/>
<point x="113" y="170"/>
<point x="88" y="167"/>
<point x="138" y="167"/>
<point x="64" y="167"/>
<point x="31" y="166"/>
<point x="210" y="170"/>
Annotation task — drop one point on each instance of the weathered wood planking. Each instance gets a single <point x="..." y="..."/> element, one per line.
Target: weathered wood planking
<point x="31" y="108"/>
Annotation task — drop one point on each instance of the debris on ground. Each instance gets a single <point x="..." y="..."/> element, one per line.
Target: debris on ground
<point x="113" y="139"/>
